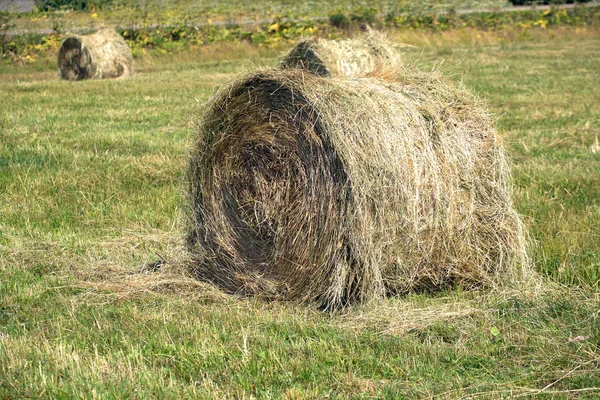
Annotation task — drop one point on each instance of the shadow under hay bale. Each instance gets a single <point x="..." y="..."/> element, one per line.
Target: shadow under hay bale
<point x="337" y="191"/>
<point x="366" y="56"/>
<point x="101" y="55"/>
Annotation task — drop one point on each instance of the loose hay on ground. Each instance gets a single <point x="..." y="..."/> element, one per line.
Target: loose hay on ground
<point x="342" y="190"/>
<point x="117" y="283"/>
<point x="103" y="54"/>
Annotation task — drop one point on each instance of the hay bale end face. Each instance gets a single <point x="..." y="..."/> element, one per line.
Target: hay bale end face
<point x="337" y="191"/>
<point x="101" y="55"/>
<point x="368" y="56"/>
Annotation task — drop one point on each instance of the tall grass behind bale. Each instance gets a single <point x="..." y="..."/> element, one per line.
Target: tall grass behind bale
<point x="365" y="56"/>
<point x="101" y="55"/>
<point x="336" y="191"/>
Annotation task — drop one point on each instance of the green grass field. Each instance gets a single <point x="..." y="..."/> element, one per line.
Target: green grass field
<point x="91" y="189"/>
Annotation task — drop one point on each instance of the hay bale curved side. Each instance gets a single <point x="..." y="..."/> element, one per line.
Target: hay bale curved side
<point x="336" y="191"/>
<point x="369" y="56"/>
<point x="103" y="54"/>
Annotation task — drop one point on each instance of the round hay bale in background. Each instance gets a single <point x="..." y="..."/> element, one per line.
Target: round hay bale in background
<point x="341" y="190"/>
<point x="103" y="54"/>
<point x="352" y="58"/>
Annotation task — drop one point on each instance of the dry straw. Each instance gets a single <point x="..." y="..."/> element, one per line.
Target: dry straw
<point x="365" y="56"/>
<point x="103" y="54"/>
<point x="335" y="191"/>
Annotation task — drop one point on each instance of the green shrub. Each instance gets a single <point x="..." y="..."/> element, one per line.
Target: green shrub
<point x="49" y="5"/>
<point x="534" y="2"/>
<point x="339" y="19"/>
<point x="364" y="15"/>
<point x="5" y="21"/>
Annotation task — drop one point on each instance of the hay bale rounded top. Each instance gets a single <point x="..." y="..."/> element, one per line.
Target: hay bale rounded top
<point x="341" y="190"/>
<point x="103" y="54"/>
<point x="369" y="55"/>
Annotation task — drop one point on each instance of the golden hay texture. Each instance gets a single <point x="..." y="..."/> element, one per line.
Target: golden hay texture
<point x="103" y="54"/>
<point x="337" y="191"/>
<point x="352" y="58"/>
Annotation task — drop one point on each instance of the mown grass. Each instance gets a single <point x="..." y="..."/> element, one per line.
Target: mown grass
<point x="90" y="190"/>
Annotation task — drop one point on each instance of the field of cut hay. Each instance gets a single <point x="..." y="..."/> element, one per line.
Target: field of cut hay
<point x="95" y="299"/>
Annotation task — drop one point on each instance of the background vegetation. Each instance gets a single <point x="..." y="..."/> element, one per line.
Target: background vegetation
<point x="279" y="32"/>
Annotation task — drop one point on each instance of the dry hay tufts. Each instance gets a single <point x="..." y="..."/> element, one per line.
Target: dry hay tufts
<point x="371" y="55"/>
<point x="103" y="54"/>
<point x="106" y="279"/>
<point x="337" y="191"/>
<point x="399" y="319"/>
<point x="107" y="284"/>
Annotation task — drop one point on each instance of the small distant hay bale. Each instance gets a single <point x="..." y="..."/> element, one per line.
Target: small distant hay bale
<point x="366" y="56"/>
<point x="101" y="55"/>
<point x="338" y="191"/>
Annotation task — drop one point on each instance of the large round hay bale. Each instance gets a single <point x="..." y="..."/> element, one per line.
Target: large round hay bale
<point x="341" y="190"/>
<point x="103" y="54"/>
<point x="365" y="56"/>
